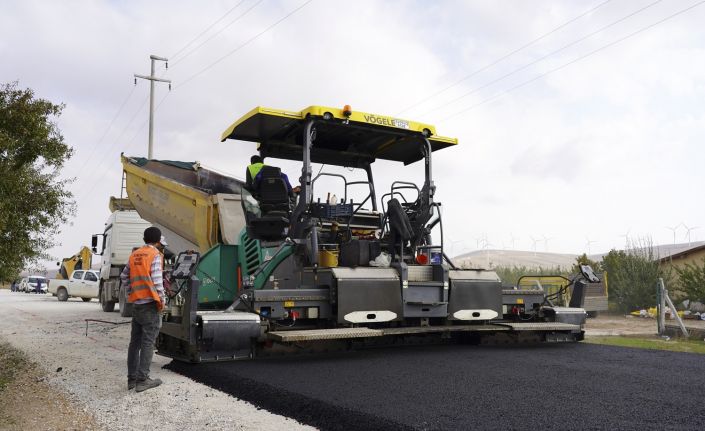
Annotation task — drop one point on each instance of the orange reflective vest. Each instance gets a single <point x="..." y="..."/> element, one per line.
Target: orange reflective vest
<point x="141" y="284"/>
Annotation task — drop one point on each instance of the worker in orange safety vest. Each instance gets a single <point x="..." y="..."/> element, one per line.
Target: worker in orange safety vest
<point x="143" y="280"/>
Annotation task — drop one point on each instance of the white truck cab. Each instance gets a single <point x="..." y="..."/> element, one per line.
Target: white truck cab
<point x="124" y="231"/>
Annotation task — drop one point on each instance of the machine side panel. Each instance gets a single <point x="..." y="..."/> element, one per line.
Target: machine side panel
<point x="468" y="297"/>
<point x="366" y="300"/>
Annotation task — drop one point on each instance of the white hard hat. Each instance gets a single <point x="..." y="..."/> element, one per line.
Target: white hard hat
<point x="162" y="241"/>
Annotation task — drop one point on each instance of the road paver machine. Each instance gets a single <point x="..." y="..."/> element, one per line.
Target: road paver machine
<point x="267" y="270"/>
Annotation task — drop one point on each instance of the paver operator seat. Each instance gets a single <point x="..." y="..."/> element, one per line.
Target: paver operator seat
<point x="273" y="195"/>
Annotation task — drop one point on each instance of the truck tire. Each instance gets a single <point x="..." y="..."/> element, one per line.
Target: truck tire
<point x="107" y="306"/>
<point x="86" y="299"/>
<point x="125" y="307"/>
<point x="62" y="295"/>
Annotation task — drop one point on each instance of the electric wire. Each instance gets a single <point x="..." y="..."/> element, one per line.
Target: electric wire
<point x="96" y="182"/>
<point x="110" y="125"/>
<point x="504" y="57"/>
<point x="222" y="17"/>
<point x="127" y="145"/>
<point x="538" y="60"/>
<point x="582" y="57"/>
<point x="239" y="47"/>
<point x="188" y="54"/>
<point x="96" y="167"/>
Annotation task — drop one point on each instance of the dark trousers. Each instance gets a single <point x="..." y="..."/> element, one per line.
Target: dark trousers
<point x="146" y="322"/>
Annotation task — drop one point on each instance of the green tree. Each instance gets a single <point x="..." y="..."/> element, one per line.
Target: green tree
<point x="691" y="278"/>
<point x="633" y="275"/>
<point x="34" y="202"/>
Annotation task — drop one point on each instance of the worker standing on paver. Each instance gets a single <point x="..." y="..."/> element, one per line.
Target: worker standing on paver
<point x="142" y="278"/>
<point x="256" y="165"/>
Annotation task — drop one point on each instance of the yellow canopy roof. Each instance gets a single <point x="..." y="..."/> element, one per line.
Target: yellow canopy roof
<point x="341" y="140"/>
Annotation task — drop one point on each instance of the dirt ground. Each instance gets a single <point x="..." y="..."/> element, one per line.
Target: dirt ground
<point x="606" y="324"/>
<point x="27" y="402"/>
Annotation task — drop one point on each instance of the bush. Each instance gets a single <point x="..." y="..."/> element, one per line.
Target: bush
<point x="691" y="278"/>
<point x="633" y="275"/>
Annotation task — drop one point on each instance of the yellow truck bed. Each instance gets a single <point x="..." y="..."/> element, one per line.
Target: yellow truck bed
<point x="195" y="207"/>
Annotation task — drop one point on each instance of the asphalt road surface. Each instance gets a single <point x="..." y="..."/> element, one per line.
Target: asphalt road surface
<point x="577" y="386"/>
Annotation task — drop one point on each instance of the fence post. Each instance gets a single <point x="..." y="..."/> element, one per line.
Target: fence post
<point x="661" y="307"/>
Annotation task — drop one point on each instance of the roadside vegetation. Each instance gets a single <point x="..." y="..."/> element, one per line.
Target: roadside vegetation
<point x="34" y="201"/>
<point x="653" y="343"/>
<point x="12" y="362"/>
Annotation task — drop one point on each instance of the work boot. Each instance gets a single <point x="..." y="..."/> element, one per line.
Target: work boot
<point x="143" y="385"/>
<point x="131" y="383"/>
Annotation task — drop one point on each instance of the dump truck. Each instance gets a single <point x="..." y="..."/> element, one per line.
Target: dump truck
<point x="264" y="270"/>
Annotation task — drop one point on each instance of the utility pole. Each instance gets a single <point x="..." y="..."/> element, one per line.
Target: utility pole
<point x="151" y="78"/>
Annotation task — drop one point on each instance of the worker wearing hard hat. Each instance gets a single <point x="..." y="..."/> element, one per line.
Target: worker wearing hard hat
<point x="142" y="278"/>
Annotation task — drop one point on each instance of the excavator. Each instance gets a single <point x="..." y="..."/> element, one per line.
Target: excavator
<point x="265" y="271"/>
<point x="80" y="260"/>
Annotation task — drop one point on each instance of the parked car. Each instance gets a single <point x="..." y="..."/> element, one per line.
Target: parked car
<point x="81" y="284"/>
<point x="29" y="284"/>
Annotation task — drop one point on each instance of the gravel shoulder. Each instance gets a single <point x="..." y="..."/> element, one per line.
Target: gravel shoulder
<point x="91" y="372"/>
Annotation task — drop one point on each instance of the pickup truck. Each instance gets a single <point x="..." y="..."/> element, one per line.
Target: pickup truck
<point x="81" y="284"/>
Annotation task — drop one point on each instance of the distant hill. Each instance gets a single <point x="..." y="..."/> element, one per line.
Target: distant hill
<point x="494" y="258"/>
<point x="487" y="259"/>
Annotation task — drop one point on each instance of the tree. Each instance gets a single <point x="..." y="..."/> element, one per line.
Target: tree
<point x="33" y="201"/>
<point x="691" y="278"/>
<point x="633" y="275"/>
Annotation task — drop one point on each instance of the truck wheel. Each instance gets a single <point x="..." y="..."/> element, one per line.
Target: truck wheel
<point x="86" y="299"/>
<point x="107" y="306"/>
<point x="125" y="307"/>
<point x="62" y="295"/>
<point x="592" y="314"/>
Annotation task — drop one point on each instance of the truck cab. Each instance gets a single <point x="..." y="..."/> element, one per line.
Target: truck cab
<point x="123" y="232"/>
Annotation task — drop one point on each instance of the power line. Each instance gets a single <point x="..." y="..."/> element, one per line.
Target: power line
<point x="526" y="66"/>
<point x="206" y="29"/>
<point x="244" y="44"/>
<point x="144" y="123"/>
<point x="188" y="54"/>
<point x="504" y="57"/>
<point x="100" y="162"/>
<point x="502" y="93"/>
<point x="110" y="125"/>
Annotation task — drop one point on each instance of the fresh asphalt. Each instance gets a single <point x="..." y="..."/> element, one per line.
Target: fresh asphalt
<point x="459" y="387"/>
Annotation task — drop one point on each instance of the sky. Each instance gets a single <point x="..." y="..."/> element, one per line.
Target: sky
<point x="580" y="123"/>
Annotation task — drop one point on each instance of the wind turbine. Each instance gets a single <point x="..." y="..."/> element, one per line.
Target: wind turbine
<point x="588" y="243"/>
<point x="687" y="232"/>
<point x="513" y="239"/>
<point x="545" y="242"/>
<point x="479" y="240"/>
<point x="534" y="241"/>
<point x="487" y="251"/>
<point x="673" y="229"/>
